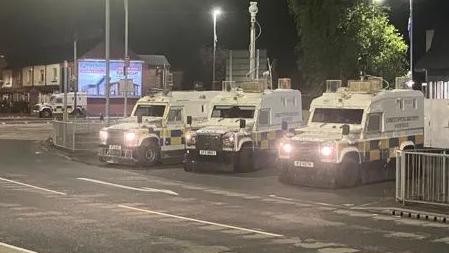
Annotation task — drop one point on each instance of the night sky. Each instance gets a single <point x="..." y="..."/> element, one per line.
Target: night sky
<point x="33" y="29"/>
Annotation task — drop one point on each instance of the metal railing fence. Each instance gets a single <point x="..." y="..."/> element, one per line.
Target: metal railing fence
<point x="422" y="177"/>
<point x="79" y="135"/>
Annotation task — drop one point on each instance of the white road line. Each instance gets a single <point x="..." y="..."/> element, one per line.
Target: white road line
<point x="201" y="221"/>
<point x="144" y="189"/>
<point x="32" y="186"/>
<point x="17" y="249"/>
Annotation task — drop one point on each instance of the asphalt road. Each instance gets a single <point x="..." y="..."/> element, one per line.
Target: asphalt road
<point x="49" y="203"/>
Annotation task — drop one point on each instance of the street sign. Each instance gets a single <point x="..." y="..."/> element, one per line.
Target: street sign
<point x="126" y="86"/>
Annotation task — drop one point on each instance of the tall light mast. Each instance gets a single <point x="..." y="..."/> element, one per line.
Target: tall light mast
<point x="252" y="46"/>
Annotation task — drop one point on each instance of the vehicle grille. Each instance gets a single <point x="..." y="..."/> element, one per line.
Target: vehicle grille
<point x="115" y="137"/>
<point x="209" y="142"/>
<point x="307" y="151"/>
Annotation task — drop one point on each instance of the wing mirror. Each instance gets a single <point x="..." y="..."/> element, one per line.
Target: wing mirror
<point x="242" y="124"/>
<point x="345" y="129"/>
<point x="189" y="120"/>
<point x="139" y="119"/>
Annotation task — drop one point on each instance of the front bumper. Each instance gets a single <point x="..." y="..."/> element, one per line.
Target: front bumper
<point x="223" y="160"/>
<point x="113" y="156"/>
<point x="321" y="175"/>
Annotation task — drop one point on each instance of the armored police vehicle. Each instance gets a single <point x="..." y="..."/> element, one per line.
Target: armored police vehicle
<point x="352" y="135"/>
<point x="155" y="130"/>
<point x="55" y="106"/>
<point x="244" y="127"/>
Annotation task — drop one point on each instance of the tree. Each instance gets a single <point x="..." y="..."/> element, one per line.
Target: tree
<point x="340" y="38"/>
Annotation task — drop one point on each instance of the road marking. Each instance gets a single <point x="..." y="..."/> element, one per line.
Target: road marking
<point x="17" y="249"/>
<point x="32" y="186"/>
<point x="201" y="221"/>
<point x="143" y="189"/>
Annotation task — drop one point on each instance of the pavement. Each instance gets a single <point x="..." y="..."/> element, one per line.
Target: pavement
<point x="50" y="202"/>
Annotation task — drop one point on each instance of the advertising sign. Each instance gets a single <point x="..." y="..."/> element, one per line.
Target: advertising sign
<point x="92" y="76"/>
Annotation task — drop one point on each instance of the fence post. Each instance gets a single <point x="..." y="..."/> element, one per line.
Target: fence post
<point x="74" y="137"/>
<point x="402" y="176"/>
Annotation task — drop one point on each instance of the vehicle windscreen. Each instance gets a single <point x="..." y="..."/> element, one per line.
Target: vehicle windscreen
<point x="150" y="110"/>
<point x="230" y="112"/>
<point x="53" y="99"/>
<point x="337" y="116"/>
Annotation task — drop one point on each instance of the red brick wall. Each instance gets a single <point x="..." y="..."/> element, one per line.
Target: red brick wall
<point x="96" y="106"/>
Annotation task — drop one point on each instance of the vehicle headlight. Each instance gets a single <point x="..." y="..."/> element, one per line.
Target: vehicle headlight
<point x="229" y="139"/>
<point x="103" y="136"/>
<point x="131" y="139"/>
<point x="286" y="147"/>
<point x="327" y="150"/>
<point x="190" y="138"/>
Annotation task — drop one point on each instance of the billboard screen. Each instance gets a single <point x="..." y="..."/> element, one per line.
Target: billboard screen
<point x="92" y="73"/>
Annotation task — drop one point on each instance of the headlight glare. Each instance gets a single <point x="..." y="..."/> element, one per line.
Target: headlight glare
<point x="131" y="139"/>
<point x="190" y="138"/>
<point x="287" y="147"/>
<point x="327" y="150"/>
<point x="103" y="136"/>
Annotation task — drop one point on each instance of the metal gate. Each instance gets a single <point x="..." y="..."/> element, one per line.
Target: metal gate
<point x="422" y="177"/>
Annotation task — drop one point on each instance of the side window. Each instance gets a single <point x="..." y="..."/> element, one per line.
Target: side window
<point x="59" y="101"/>
<point x="374" y="124"/>
<point x="175" y="115"/>
<point x="264" y="117"/>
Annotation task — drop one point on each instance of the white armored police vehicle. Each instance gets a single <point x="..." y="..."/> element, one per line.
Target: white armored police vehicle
<point x="55" y="107"/>
<point x="352" y="135"/>
<point x="155" y="130"/>
<point x="244" y="127"/>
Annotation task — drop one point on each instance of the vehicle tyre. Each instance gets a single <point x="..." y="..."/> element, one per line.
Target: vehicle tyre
<point x="245" y="160"/>
<point x="46" y="113"/>
<point x="348" y="175"/>
<point x="148" y="154"/>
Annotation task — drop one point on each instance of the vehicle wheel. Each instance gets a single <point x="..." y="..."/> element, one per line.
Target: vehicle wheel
<point x="148" y="154"/>
<point x="348" y="175"/>
<point x="46" y="113"/>
<point x="245" y="160"/>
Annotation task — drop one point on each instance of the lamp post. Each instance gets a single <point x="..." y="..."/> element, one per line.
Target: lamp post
<point x="107" y="56"/>
<point x="215" y="14"/>
<point x="126" y="63"/>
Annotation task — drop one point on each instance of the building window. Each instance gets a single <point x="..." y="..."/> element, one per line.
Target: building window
<point x="29" y="76"/>
<point x="42" y="80"/>
<point x="264" y="117"/>
<point x="55" y="75"/>
<point x="374" y="124"/>
<point x="175" y="115"/>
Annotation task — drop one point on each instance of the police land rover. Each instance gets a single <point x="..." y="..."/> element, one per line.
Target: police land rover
<point x="55" y="107"/>
<point x="352" y="135"/>
<point x="155" y="131"/>
<point x="244" y="127"/>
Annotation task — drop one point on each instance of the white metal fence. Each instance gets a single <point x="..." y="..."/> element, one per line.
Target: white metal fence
<point x="79" y="135"/>
<point x="422" y="177"/>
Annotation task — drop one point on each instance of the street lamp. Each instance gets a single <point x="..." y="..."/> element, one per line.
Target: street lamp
<point x="215" y="13"/>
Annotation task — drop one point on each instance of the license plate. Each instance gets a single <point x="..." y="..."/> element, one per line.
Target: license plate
<point x="304" y="164"/>
<point x="115" y="147"/>
<point x="208" y="152"/>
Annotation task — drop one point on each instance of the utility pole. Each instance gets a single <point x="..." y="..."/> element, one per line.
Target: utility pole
<point x="125" y="69"/>
<point x="107" y="79"/>
<point x="75" y="72"/>
<point x="252" y="46"/>
<point x="411" y="38"/>
<point x="66" y="80"/>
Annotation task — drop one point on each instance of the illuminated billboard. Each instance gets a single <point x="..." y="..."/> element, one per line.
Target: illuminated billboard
<point x="92" y="73"/>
